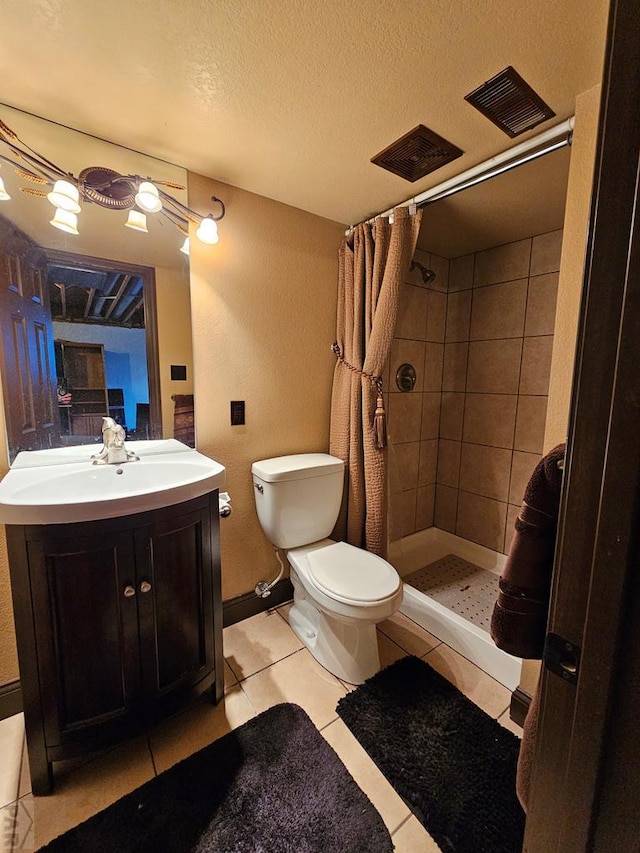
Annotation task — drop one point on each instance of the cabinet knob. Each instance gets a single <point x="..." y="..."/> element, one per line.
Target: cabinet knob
<point x="129" y="591"/>
<point x="145" y="586"/>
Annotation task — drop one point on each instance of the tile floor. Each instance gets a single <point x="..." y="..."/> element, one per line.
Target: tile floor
<point x="264" y="664"/>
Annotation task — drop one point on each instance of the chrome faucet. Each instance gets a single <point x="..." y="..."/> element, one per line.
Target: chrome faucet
<point x="113" y="450"/>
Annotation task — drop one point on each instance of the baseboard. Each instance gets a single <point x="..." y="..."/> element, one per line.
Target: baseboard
<point x="10" y="699"/>
<point x="519" y="707"/>
<point x="246" y="605"/>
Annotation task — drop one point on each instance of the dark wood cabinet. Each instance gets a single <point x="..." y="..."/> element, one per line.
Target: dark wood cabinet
<point x="118" y="622"/>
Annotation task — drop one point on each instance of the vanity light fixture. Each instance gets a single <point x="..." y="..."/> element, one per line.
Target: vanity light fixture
<point x="137" y="220"/>
<point x="208" y="231"/>
<point x="148" y="197"/>
<point x="65" y="220"/>
<point x="65" y="196"/>
<point x="106" y="188"/>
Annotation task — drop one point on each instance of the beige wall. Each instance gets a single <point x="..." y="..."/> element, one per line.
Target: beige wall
<point x="174" y="337"/>
<point x="263" y="313"/>
<point x="572" y="268"/>
<point x="569" y="290"/>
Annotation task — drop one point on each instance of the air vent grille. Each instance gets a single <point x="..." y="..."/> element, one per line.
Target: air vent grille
<point x="510" y="103"/>
<point x="416" y="154"/>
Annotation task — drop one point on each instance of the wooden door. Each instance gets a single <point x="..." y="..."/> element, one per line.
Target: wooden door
<point x="587" y="760"/>
<point x="26" y="345"/>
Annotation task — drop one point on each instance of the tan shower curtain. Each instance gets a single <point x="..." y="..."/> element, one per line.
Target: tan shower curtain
<point x="372" y="264"/>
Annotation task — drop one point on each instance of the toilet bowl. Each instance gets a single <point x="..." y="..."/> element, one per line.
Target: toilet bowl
<point x="340" y="592"/>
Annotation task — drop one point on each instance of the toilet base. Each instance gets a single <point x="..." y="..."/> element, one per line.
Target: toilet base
<point x="347" y="649"/>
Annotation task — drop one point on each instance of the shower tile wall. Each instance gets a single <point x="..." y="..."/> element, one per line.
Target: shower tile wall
<point x="414" y="417"/>
<point x="497" y="357"/>
<point x="463" y="443"/>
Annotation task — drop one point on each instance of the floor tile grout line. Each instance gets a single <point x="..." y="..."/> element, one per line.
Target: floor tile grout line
<point x="247" y="697"/>
<point x="153" y="760"/>
<point x="262" y="669"/>
<point x="400" y="646"/>
<point x="402" y="823"/>
<point x="21" y="768"/>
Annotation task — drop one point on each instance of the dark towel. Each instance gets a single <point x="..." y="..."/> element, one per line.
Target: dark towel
<point x="519" y="620"/>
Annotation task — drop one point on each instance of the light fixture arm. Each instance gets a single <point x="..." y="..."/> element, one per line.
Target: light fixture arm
<point x="26" y="152"/>
<point x="188" y="212"/>
<point x="103" y="186"/>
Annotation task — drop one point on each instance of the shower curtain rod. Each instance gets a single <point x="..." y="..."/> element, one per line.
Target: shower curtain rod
<point x="544" y="143"/>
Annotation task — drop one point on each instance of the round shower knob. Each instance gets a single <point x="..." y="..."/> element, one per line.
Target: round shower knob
<point x="406" y="377"/>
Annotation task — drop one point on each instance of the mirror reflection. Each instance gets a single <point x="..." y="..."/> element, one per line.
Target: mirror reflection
<point x="94" y="305"/>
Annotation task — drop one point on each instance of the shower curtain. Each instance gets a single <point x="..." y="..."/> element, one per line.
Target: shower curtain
<point x="372" y="263"/>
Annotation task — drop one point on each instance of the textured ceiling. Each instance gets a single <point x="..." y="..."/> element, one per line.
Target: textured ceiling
<point x="291" y="98"/>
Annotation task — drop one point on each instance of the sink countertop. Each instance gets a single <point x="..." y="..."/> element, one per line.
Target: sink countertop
<point x="62" y="486"/>
<point x="84" y="452"/>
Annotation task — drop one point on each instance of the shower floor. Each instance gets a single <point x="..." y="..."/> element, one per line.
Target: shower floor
<point x="460" y="586"/>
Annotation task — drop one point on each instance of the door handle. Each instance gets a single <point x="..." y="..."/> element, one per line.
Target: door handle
<point x="129" y="591"/>
<point x="562" y="657"/>
<point x="145" y="586"/>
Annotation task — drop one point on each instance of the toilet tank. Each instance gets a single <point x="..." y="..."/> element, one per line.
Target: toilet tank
<point x="298" y="497"/>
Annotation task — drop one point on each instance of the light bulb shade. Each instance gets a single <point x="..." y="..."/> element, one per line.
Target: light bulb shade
<point x="208" y="231"/>
<point x="4" y="195"/>
<point x="185" y="246"/>
<point x="137" y="220"/>
<point x="148" y="198"/>
<point x="65" y="220"/>
<point x="65" y="196"/>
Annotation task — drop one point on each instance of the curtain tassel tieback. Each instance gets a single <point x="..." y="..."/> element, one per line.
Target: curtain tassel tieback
<point x="379" y="418"/>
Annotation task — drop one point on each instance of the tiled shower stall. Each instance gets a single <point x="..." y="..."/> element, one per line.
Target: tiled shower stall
<point x="464" y="441"/>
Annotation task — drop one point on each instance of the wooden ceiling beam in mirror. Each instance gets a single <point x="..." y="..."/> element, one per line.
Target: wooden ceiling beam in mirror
<point x="90" y="296"/>
<point x="81" y="301"/>
<point x="126" y="279"/>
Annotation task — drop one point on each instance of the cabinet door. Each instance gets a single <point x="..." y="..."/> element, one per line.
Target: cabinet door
<point x="86" y="627"/>
<point x="175" y="602"/>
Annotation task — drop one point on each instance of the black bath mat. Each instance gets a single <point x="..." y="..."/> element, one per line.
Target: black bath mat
<point x="274" y="785"/>
<point x="453" y="764"/>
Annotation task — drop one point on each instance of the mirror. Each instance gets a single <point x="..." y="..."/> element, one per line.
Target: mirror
<point x="93" y="323"/>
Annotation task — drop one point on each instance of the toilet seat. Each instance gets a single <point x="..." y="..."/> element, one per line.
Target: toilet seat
<point x="351" y="575"/>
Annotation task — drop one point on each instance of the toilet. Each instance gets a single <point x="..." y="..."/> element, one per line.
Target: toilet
<point x="340" y="592"/>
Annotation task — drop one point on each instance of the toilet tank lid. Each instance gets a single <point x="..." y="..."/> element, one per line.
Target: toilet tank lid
<point x="296" y="467"/>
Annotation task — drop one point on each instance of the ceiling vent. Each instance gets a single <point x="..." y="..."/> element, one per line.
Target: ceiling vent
<point x="416" y="154"/>
<point x="509" y="102"/>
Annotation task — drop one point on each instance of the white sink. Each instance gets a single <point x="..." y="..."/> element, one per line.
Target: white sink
<point x="37" y="491"/>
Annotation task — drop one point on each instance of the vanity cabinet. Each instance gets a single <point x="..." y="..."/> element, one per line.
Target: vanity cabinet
<point x="118" y="622"/>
